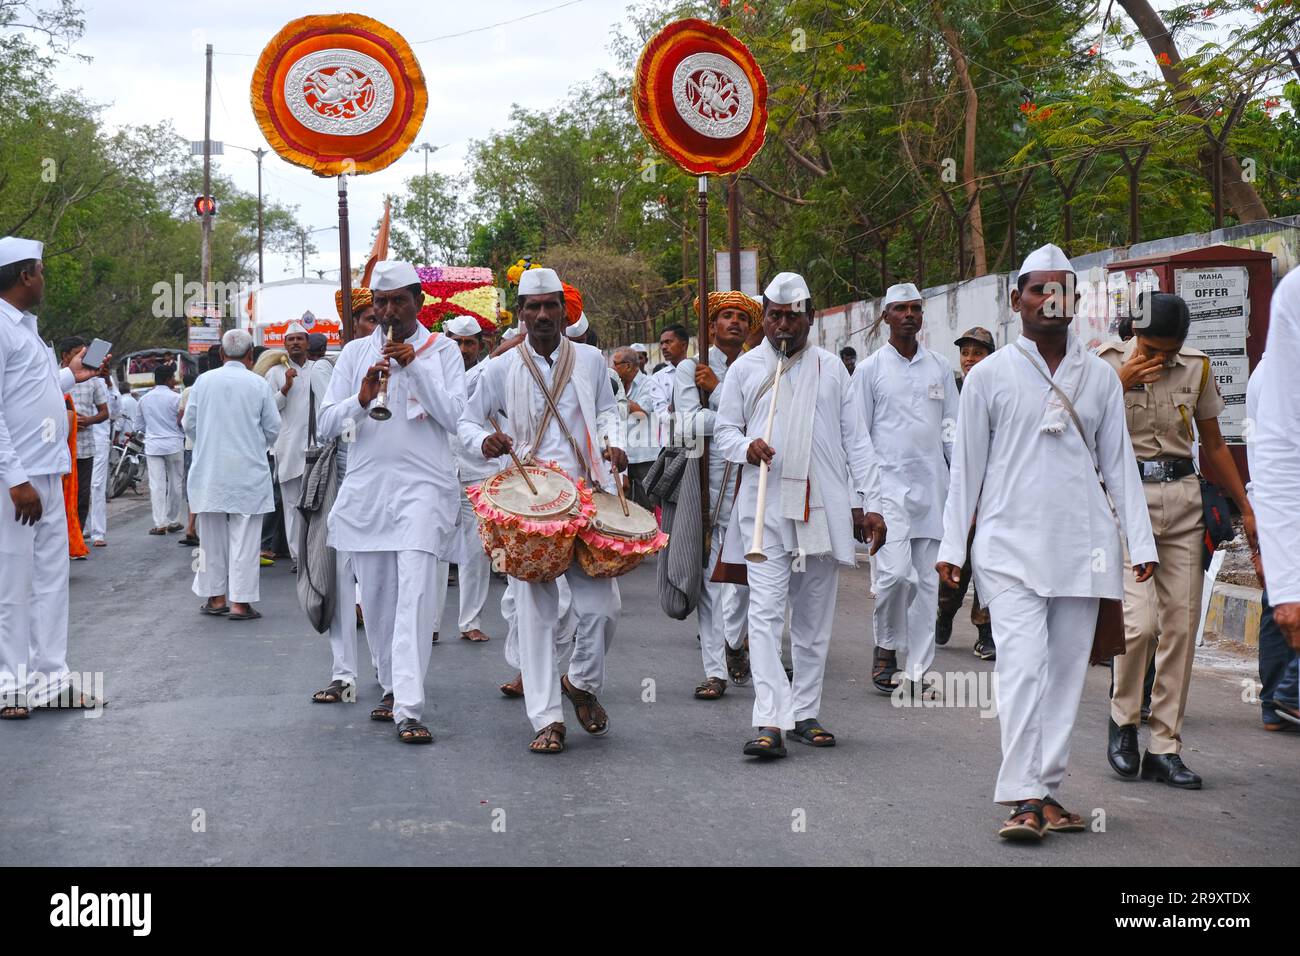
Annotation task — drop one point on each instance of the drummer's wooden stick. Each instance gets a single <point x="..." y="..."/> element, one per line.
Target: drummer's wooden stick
<point x="755" y="552"/>
<point x="515" y="458"/>
<point x="618" y="483"/>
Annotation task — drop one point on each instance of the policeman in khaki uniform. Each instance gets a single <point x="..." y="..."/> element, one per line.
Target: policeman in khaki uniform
<point x="1167" y="387"/>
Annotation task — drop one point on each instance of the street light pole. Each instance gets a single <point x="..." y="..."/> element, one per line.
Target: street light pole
<point x="259" y="153"/>
<point x="424" y="224"/>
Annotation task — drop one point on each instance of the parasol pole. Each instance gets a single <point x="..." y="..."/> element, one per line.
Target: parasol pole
<point x="345" y="260"/>
<point x="703" y="358"/>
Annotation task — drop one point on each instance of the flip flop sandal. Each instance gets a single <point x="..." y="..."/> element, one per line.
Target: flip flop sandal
<point x="1026" y="830"/>
<point x="252" y="615"/>
<point x="385" y="709"/>
<point x="808" y="731"/>
<point x="469" y="636"/>
<point x="767" y="745"/>
<point x="409" y="732"/>
<point x="514" y="688"/>
<point x="711" y="689"/>
<point x="553" y="742"/>
<point x="332" y="694"/>
<point x="15" y="712"/>
<point x="207" y="608"/>
<point x="596" y="722"/>
<point x="1069" y="822"/>
<point x="884" y="665"/>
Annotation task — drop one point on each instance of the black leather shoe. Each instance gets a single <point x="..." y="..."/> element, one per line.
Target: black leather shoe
<point x="1170" y="769"/>
<point x="942" y="631"/>
<point x="1122" y="751"/>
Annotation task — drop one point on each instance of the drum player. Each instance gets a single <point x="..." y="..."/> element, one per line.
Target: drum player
<point x="575" y="377"/>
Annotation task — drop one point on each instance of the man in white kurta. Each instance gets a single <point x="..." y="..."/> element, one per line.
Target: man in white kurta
<point x="33" y="458"/>
<point x="102" y="432"/>
<point x="721" y="608"/>
<point x="1275" y="459"/>
<point x="908" y="398"/>
<point x="293" y="386"/>
<point x="396" y="510"/>
<point x="230" y="416"/>
<point x="1047" y="546"/>
<point x="164" y="451"/>
<point x="473" y="567"/>
<point x="589" y="415"/>
<point x="823" y="491"/>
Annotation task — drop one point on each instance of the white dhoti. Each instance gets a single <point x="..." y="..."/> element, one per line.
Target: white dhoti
<point x="721" y="612"/>
<point x="906" y="589"/>
<point x="475" y="568"/>
<point x="1043" y="647"/>
<point x="166" y="487"/>
<point x="34" y="599"/>
<point x="97" y="519"/>
<point x="398" y="590"/>
<point x="229" y="560"/>
<point x="290" y="492"/>
<point x="596" y="603"/>
<point x="811" y="598"/>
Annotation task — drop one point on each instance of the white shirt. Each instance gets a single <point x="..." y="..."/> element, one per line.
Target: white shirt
<point x="910" y="408"/>
<point x="843" y="462"/>
<point x="586" y="406"/>
<point x="159" y="411"/>
<point x="643" y="429"/>
<point x="696" y="423"/>
<point x="401" y="491"/>
<point x="291" y="446"/>
<point x="104" y="429"/>
<point x="33" y="418"/>
<point x="470" y="466"/>
<point x="232" y="420"/>
<point x="1043" y="518"/>
<point x="128" y="410"/>
<point x="1275" y="451"/>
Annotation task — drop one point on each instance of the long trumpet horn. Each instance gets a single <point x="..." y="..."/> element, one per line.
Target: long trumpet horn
<point x="379" y="409"/>
<point x="755" y="552"/>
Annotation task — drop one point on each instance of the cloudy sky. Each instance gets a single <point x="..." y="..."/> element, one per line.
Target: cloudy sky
<point x="147" y="65"/>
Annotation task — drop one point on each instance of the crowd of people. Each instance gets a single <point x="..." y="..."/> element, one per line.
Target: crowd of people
<point x="1058" y="485"/>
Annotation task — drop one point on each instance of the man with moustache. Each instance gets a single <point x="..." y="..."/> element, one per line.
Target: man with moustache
<point x="1041" y="428"/>
<point x="293" y="386"/>
<point x="576" y="379"/>
<point x="823" y="492"/>
<point x="396" y="509"/>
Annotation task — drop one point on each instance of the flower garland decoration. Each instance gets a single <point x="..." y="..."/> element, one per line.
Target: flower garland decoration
<point x="450" y="291"/>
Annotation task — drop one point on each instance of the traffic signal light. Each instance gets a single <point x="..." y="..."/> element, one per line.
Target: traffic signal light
<point x="205" y="206"/>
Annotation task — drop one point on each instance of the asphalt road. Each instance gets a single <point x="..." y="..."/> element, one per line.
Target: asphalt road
<point x="211" y="753"/>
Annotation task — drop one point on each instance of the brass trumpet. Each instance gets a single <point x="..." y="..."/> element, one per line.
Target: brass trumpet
<point x="379" y="409"/>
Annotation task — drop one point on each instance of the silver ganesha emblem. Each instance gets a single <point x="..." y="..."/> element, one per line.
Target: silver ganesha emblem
<point x="339" y="92"/>
<point x="713" y="95"/>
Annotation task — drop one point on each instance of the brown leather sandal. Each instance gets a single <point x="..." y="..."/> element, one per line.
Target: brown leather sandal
<point x="711" y="689"/>
<point x="515" y="687"/>
<point x="549" y="740"/>
<point x="385" y="709"/>
<point x="1066" y="822"/>
<point x="590" y="714"/>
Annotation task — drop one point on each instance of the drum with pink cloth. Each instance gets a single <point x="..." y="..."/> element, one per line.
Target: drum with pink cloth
<point x="530" y="535"/>
<point x="614" y="543"/>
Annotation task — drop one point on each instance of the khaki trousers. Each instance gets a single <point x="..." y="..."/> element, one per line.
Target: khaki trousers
<point x="1161" y="615"/>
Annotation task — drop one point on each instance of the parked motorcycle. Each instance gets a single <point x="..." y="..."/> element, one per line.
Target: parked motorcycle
<point x="126" y="466"/>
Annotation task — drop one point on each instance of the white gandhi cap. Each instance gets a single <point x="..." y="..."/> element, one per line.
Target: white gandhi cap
<point x="13" y="249"/>
<point x="389" y="276"/>
<point x="788" y="288"/>
<point x="539" y="282"/>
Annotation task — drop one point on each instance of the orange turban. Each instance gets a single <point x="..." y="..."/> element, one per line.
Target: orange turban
<point x="361" y="298"/>
<point x="572" y="303"/>
<point x="733" y="300"/>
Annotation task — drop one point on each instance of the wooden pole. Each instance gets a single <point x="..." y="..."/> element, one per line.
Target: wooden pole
<point x="205" y="252"/>
<point x="345" y="260"/>
<point x="703" y="358"/>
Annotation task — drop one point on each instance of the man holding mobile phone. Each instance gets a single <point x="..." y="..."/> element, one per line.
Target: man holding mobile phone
<point x="33" y="528"/>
